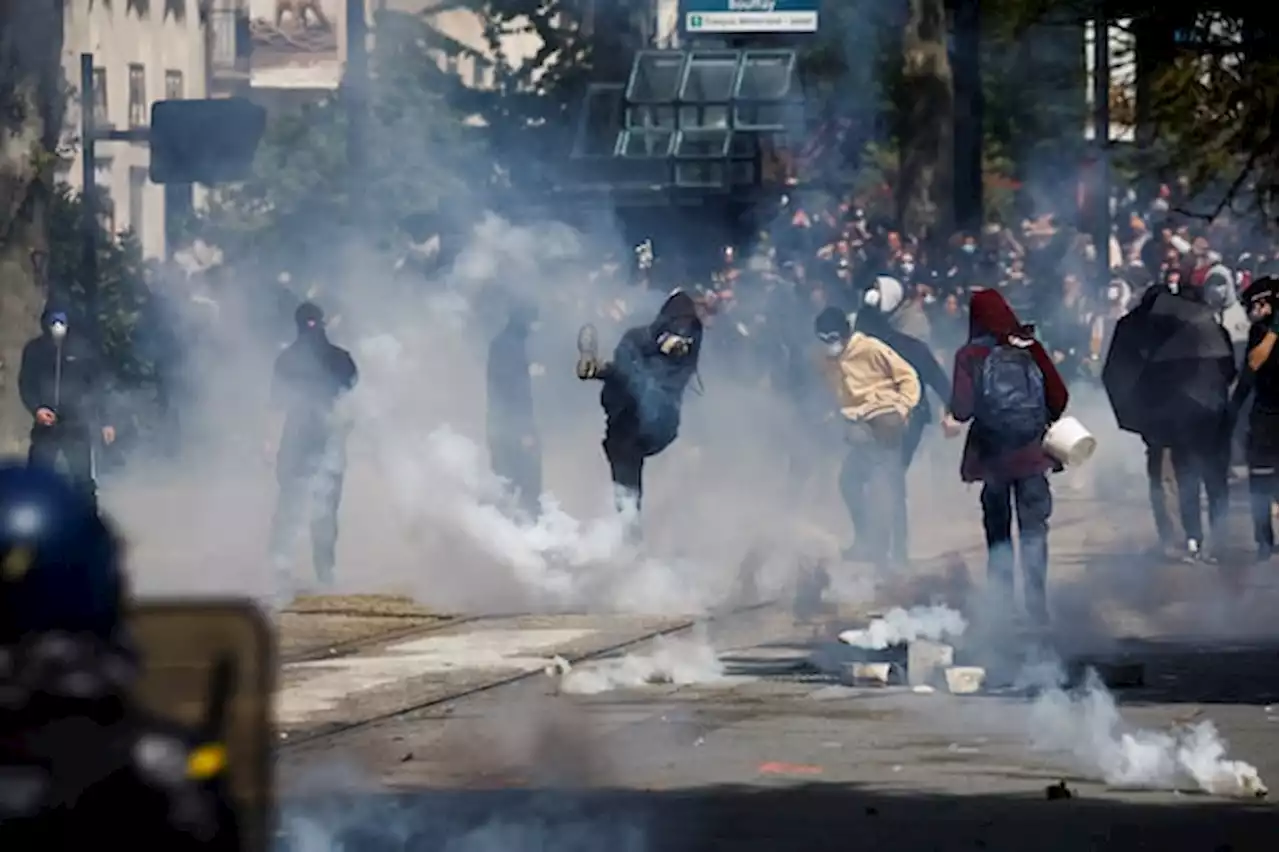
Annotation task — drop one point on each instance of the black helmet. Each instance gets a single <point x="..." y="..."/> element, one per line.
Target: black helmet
<point x="59" y="562"/>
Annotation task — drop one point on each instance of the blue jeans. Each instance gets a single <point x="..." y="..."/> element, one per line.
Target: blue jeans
<point x="1032" y="501"/>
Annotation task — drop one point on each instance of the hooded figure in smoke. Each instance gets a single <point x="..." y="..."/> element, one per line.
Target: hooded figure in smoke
<point x="310" y="376"/>
<point x="643" y="387"/>
<point x="61" y="383"/>
<point x="1006" y="383"/>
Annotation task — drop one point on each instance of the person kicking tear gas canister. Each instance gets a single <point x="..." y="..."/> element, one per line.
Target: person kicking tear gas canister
<point x="876" y="390"/>
<point x="643" y="388"/>
<point x="60" y="382"/>
<point x="310" y="376"/>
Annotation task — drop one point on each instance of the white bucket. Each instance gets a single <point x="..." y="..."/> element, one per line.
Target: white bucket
<point x="1069" y="442"/>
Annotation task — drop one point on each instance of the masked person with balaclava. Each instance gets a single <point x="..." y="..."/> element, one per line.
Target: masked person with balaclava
<point x="1005" y="382"/>
<point x="310" y="378"/>
<point x="1259" y="377"/>
<point x="61" y="383"/>
<point x="81" y="764"/>
<point x="514" y="449"/>
<point x="876" y="391"/>
<point x="644" y="388"/>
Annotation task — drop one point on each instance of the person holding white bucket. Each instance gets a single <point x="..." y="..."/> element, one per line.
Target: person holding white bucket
<point x="1006" y="384"/>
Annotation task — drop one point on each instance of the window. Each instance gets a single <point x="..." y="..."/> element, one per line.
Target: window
<point x="137" y="199"/>
<point x="137" y="96"/>
<point x="173" y="85"/>
<point x="106" y="205"/>
<point x="100" y="114"/>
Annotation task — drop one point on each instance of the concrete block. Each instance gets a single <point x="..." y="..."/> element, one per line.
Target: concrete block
<point x="926" y="660"/>
<point x="872" y="674"/>
<point x="965" y="680"/>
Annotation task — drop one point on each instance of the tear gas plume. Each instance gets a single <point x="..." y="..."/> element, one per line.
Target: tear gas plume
<point x="1085" y="724"/>
<point x="680" y="661"/>
<point x="899" y="626"/>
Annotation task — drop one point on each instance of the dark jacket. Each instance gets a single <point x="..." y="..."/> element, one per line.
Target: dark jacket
<point x="643" y="389"/>
<point x="76" y="392"/>
<point x="990" y="317"/>
<point x="79" y="763"/>
<point x="509" y="385"/>
<point x="309" y="377"/>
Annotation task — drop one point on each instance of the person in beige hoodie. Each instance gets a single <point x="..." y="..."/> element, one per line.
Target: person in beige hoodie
<point x="875" y="390"/>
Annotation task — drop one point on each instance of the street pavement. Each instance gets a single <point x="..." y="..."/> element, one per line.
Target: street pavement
<point x="769" y="749"/>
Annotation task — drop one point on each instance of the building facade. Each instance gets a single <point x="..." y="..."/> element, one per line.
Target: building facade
<point x="144" y="51"/>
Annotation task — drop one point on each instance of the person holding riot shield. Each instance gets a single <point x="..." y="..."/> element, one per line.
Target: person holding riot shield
<point x="80" y="762"/>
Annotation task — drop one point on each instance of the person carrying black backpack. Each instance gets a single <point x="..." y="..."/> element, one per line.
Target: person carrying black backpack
<point x="1006" y="384"/>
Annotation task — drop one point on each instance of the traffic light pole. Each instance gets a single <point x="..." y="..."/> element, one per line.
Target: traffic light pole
<point x="90" y="135"/>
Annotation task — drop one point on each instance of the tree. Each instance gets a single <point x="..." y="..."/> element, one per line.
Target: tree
<point x="924" y="188"/>
<point x="420" y="161"/>
<point x="31" y="110"/>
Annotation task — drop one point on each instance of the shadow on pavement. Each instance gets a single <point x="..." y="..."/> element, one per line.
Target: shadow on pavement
<point x="804" y="818"/>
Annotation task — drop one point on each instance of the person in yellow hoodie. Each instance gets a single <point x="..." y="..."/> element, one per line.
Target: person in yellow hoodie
<point x="875" y="389"/>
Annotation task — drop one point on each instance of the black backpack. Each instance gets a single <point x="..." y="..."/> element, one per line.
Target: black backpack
<point x="1009" y="400"/>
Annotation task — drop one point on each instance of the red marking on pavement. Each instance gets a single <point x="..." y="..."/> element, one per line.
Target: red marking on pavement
<point x="774" y="767"/>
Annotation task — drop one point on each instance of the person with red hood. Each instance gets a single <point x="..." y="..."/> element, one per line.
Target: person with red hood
<point x="1006" y="383"/>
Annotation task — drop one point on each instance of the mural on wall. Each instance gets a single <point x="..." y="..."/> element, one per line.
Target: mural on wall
<point x="295" y="26"/>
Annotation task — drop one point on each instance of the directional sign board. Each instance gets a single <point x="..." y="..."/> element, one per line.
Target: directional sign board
<point x="721" y="17"/>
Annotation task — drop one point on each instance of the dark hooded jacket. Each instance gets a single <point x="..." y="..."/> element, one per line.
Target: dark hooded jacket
<point x="992" y="322"/>
<point x="914" y="351"/>
<point x="309" y="377"/>
<point x="75" y="394"/>
<point x="643" y="389"/>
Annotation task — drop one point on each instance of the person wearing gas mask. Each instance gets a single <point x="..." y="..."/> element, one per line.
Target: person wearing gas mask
<point x="643" y="389"/>
<point x="60" y="382"/>
<point x="308" y="435"/>
<point x="514" y="448"/>
<point x="876" y="391"/>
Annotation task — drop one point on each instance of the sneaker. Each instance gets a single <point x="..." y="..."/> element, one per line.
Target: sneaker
<point x="1191" y="552"/>
<point x="588" y="352"/>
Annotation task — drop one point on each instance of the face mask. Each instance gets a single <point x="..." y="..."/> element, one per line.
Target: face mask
<point x="929" y="298"/>
<point x="968" y="248"/>
<point x="58" y="330"/>
<point x="834" y="349"/>
<point x="1113" y="293"/>
<point x="1090" y="253"/>
<point x="906" y="269"/>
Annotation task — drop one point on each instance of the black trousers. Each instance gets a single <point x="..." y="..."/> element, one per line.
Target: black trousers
<point x="74" y="444"/>
<point x="626" y="468"/>
<point x="1156" y="493"/>
<point x="309" y="494"/>
<point x="873" y="484"/>
<point x="1262" y="452"/>
<point x="521" y="466"/>
<point x="1202" y="460"/>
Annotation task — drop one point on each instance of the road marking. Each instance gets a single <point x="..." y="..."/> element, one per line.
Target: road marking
<point x="326" y="683"/>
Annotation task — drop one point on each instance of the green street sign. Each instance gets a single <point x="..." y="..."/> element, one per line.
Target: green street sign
<point x="695" y="22"/>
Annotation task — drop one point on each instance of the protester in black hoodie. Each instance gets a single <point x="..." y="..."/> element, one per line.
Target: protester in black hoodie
<point x="61" y="383"/>
<point x="309" y="378"/>
<point x="1259" y="379"/>
<point x="643" y="388"/>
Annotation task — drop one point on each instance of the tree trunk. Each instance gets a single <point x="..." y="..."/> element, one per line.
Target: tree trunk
<point x="31" y="110"/>
<point x="925" y="191"/>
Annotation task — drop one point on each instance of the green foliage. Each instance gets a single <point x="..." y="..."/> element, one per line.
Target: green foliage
<point x="419" y="159"/>
<point x="124" y="299"/>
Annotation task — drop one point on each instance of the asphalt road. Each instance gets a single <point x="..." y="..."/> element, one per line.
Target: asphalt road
<point x="774" y="753"/>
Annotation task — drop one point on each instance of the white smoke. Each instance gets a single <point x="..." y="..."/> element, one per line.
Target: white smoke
<point x="899" y="626"/>
<point x="680" y="661"/>
<point x="1086" y="725"/>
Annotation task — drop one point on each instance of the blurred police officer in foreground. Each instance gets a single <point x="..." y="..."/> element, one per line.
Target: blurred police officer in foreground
<point x="80" y="763"/>
<point x="60" y="382"/>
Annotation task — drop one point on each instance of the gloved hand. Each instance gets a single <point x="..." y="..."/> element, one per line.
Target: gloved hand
<point x="673" y="344"/>
<point x="588" y="368"/>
